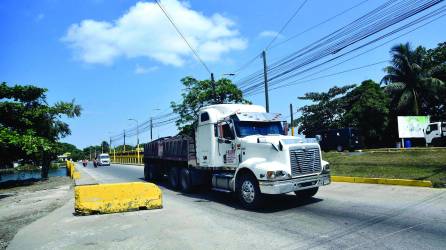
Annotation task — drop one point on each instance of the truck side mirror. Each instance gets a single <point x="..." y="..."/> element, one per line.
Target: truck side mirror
<point x="318" y="138"/>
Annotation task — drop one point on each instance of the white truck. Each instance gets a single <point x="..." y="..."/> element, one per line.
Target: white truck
<point x="238" y="148"/>
<point x="435" y="134"/>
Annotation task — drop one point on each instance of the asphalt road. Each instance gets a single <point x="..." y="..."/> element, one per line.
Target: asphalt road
<point x="341" y="216"/>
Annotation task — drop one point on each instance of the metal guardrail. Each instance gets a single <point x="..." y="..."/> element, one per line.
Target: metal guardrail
<point x="127" y="157"/>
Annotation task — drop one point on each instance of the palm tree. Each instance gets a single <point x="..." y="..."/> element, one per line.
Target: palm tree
<point x="410" y="80"/>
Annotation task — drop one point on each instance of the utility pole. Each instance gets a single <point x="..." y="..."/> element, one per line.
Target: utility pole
<point x="265" y="78"/>
<point x="124" y="140"/>
<point x="292" y="119"/>
<point x="109" y="146"/>
<point x="214" y="94"/>
<point x="151" y="128"/>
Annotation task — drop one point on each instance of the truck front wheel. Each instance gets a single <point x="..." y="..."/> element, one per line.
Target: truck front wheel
<point x="248" y="191"/>
<point x="307" y="193"/>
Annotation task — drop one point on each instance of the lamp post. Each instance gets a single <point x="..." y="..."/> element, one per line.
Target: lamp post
<point x="137" y="137"/>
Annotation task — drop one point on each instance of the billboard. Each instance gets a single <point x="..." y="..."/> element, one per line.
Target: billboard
<point x="412" y="126"/>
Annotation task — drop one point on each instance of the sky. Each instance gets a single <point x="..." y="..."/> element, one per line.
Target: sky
<point x="123" y="60"/>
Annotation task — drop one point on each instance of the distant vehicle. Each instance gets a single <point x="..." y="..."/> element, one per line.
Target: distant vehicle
<point x="435" y="134"/>
<point x="103" y="160"/>
<point x="340" y="139"/>
<point x="238" y="148"/>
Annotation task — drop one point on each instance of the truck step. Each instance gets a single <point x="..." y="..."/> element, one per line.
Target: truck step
<point x="221" y="190"/>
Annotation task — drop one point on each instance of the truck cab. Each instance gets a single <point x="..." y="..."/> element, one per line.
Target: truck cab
<point x="435" y="134"/>
<point x="248" y="147"/>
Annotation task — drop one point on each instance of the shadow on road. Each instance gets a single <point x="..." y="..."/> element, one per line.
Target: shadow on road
<point x="270" y="204"/>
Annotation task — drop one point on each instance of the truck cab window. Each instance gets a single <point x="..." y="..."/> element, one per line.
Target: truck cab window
<point x="204" y="117"/>
<point x="430" y="128"/>
<point x="227" y="133"/>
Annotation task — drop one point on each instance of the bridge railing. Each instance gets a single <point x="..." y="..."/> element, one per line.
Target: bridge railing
<point x="127" y="157"/>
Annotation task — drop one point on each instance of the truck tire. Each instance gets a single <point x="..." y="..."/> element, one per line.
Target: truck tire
<point x="307" y="193"/>
<point x="154" y="172"/>
<point x="173" y="177"/>
<point x="146" y="172"/>
<point x="185" y="180"/>
<point x="340" y="148"/>
<point x="248" y="191"/>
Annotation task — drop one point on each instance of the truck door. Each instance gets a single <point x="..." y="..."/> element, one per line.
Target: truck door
<point x="227" y="151"/>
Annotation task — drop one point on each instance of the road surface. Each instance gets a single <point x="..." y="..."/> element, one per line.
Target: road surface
<point x="342" y="215"/>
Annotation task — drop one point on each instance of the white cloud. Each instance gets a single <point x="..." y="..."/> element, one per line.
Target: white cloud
<point x="269" y="33"/>
<point x="144" y="31"/>
<point x="140" y="70"/>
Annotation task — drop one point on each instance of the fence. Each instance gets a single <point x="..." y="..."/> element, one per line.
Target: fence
<point x="127" y="157"/>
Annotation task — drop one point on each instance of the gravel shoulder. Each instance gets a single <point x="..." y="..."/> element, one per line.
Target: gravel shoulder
<point x="20" y="206"/>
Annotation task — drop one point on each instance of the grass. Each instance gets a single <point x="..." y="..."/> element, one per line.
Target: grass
<point x="415" y="165"/>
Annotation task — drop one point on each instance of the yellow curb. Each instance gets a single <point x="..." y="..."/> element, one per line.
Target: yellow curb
<point x="117" y="197"/>
<point x="385" y="181"/>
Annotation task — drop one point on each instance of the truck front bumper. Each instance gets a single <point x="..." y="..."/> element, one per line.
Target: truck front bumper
<point x="291" y="185"/>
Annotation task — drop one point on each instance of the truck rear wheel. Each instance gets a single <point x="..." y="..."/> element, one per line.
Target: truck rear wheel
<point x="248" y="191"/>
<point x="340" y="148"/>
<point x="173" y="177"/>
<point x="146" y="172"/>
<point x="307" y="193"/>
<point x="185" y="181"/>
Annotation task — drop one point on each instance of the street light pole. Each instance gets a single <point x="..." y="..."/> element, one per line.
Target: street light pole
<point x="137" y="137"/>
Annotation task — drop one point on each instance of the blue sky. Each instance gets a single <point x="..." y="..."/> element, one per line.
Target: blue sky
<point x="122" y="59"/>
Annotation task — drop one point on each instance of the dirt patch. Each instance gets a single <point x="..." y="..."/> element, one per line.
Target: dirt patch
<point x="19" y="206"/>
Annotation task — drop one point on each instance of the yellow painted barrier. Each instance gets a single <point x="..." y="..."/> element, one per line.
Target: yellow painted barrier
<point x="117" y="197"/>
<point x="71" y="170"/>
<point x="385" y="181"/>
<point x="76" y="175"/>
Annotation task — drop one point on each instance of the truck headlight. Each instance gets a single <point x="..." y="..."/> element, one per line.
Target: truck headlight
<point x="277" y="175"/>
<point x="326" y="169"/>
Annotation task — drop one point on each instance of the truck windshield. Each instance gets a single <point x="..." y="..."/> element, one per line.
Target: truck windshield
<point x="245" y="128"/>
<point x="104" y="157"/>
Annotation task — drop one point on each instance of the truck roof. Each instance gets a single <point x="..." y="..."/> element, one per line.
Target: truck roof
<point x="220" y="111"/>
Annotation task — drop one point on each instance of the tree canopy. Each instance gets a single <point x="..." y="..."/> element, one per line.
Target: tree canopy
<point x="412" y="80"/>
<point x="200" y="93"/>
<point x="30" y="127"/>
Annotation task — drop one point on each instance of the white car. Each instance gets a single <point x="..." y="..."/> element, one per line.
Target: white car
<point x="104" y="160"/>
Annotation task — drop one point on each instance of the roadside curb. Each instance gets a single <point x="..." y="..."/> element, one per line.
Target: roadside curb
<point x="384" y="181"/>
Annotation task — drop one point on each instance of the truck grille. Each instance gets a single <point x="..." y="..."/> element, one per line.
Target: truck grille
<point x="305" y="161"/>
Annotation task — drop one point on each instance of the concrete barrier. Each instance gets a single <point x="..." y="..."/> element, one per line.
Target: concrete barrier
<point x="385" y="181"/>
<point x="117" y="197"/>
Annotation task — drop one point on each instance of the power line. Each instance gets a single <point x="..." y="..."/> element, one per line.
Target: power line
<point x="325" y="76"/>
<point x="253" y="59"/>
<point x="183" y="37"/>
<point x="290" y="63"/>
<point x="286" y="24"/>
<point x="304" y="79"/>
<point x="319" y="24"/>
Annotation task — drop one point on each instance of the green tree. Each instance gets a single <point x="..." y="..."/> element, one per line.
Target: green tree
<point x="411" y="81"/>
<point x="367" y="108"/>
<point x="198" y="94"/>
<point x="75" y="153"/>
<point x="326" y="110"/>
<point x="29" y="127"/>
